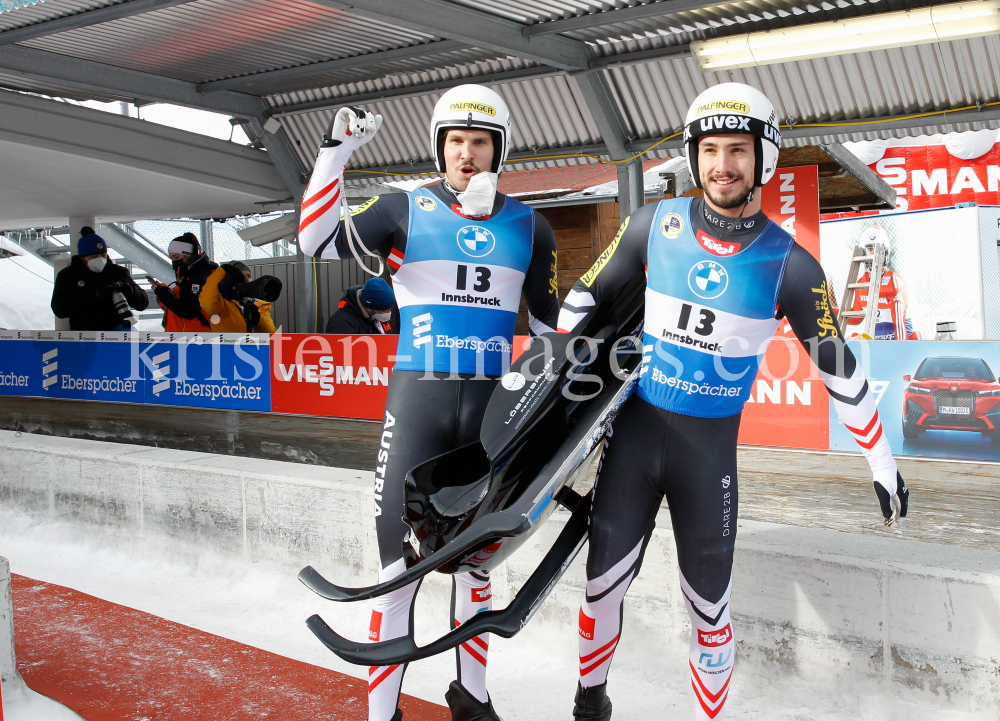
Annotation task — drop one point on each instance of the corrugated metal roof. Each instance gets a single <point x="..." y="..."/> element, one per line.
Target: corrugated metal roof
<point x="210" y="40"/>
<point x="214" y="39"/>
<point x="748" y="15"/>
<point x="538" y="11"/>
<point x="378" y="73"/>
<point x="548" y="112"/>
<point x="51" y="89"/>
<point x="48" y="10"/>
<point x="891" y="82"/>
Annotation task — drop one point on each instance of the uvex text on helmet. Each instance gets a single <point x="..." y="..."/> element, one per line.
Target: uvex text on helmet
<point x="730" y="109"/>
<point x="471" y="107"/>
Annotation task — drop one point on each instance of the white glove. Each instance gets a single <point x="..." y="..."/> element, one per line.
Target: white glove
<point x="321" y="204"/>
<point x="351" y="128"/>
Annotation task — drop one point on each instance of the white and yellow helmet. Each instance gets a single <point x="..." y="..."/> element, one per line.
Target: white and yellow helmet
<point x="732" y="108"/>
<point x="476" y="107"/>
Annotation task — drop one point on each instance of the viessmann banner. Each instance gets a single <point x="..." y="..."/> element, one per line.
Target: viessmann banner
<point x="340" y="376"/>
<point x="788" y="403"/>
<point x="331" y="375"/>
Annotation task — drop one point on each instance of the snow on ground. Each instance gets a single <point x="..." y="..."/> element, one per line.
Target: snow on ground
<point x="26" y="284"/>
<point x="22" y="704"/>
<point x="532" y="676"/>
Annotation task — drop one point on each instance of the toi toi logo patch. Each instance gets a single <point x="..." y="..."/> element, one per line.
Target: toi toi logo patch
<point x="376" y="626"/>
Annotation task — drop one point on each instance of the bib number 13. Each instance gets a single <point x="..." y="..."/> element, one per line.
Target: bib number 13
<point x="705" y="322"/>
<point x="482" y="278"/>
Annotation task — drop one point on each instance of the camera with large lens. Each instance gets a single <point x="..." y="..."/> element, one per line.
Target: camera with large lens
<point x="235" y="287"/>
<point x="125" y="315"/>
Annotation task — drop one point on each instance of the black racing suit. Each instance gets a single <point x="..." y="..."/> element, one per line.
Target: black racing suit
<point x="651" y="452"/>
<point x="424" y="416"/>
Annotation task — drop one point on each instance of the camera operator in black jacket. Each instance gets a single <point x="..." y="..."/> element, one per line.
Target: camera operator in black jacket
<point x="182" y="309"/>
<point x="85" y="290"/>
<point x="364" y="310"/>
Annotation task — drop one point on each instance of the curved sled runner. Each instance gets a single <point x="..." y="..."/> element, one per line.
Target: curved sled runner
<point x="505" y="622"/>
<point x="472" y="507"/>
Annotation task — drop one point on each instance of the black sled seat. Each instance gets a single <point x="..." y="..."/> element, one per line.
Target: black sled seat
<point x="472" y="507"/>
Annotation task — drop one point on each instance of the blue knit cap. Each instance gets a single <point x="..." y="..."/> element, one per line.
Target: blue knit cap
<point x="90" y="243"/>
<point x="377" y="295"/>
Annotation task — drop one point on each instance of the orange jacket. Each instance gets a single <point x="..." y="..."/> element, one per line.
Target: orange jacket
<point x="173" y="323"/>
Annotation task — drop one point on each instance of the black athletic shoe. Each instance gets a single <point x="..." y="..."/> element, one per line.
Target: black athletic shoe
<point x="592" y="704"/>
<point x="398" y="716"/>
<point x="466" y="707"/>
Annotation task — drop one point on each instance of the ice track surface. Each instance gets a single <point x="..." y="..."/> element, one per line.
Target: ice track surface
<point x="532" y="676"/>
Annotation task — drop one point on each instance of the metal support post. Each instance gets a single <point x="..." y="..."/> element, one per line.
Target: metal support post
<point x="305" y="293"/>
<point x="631" y="196"/>
<point x="285" y="159"/>
<point x="614" y="129"/>
<point x="207" y="242"/>
<point x="305" y="288"/>
<point x="75" y="224"/>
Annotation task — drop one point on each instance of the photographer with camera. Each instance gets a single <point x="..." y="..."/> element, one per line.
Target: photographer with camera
<point x="235" y="304"/>
<point x="182" y="311"/>
<point x="93" y="292"/>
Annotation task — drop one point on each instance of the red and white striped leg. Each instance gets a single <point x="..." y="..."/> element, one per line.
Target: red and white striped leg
<point x="391" y="618"/>
<point x="601" y="618"/>
<point x="471" y="594"/>
<point x="712" y="654"/>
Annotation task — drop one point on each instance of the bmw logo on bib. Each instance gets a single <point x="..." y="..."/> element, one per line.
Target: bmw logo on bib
<point x="476" y="241"/>
<point x="708" y="279"/>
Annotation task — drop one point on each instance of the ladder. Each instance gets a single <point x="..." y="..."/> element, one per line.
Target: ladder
<point x="859" y="258"/>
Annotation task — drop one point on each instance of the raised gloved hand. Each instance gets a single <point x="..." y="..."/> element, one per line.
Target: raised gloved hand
<point x="893" y="500"/>
<point x="351" y="127"/>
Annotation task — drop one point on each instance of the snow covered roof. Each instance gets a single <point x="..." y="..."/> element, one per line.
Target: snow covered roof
<point x="26" y="283"/>
<point x="579" y="184"/>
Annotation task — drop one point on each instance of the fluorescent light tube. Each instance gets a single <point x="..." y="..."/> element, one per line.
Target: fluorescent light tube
<point x="954" y="21"/>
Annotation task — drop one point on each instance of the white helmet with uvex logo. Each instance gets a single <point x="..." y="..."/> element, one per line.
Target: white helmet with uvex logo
<point x="475" y="107"/>
<point x="731" y="108"/>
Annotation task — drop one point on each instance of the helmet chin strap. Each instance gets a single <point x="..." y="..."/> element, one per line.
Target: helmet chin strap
<point x="733" y="225"/>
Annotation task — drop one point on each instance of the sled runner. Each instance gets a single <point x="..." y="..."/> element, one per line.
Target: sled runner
<point x="472" y="507"/>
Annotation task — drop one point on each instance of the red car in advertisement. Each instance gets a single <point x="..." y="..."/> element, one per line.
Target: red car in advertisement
<point x="952" y="394"/>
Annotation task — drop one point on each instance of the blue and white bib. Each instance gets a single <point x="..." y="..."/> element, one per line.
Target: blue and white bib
<point x="709" y="314"/>
<point x="458" y="286"/>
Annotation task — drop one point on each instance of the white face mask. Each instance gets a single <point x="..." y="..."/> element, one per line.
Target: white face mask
<point x="97" y="264"/>
<point x="382" y="317"/>
<point x="478" y="198"/>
